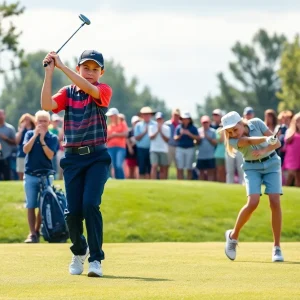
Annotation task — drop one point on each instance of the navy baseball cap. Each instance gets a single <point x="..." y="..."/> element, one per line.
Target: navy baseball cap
<point x="91" y="55"/>
<point x="248" y="110"/>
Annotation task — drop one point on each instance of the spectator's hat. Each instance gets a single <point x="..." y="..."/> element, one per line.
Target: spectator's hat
<point x="248" y="110"/>
<point x="112" y="111"/>
<point x="176" y="111"/>
<point x="159" y="115"/>
<point x="55" y="117"/>
<point x="217" y="112"/>
<point x="185" y="115"/>
<point x="230" y="120"/>
<point x="135" y="119"/>
<point x="122" y="116"/>
<point x="146" y="110"/>
<point x="205" y="119"/>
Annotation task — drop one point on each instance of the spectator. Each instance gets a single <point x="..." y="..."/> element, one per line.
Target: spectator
<point x="117" y="131"/>
<point x="220" y="157"/>
<point x="54" y="129"/>
<point x="248" y="113"/>
<point x="131" y="150"/>
<point x="271" y="119"/>
<point x="7" y="145"/>
<point x="173" y="123"/>
<point x="233" y="166"/>
<point x="292" y="155"/>
<point x="26" y="123"/>
<point x="185" y="134"/>
<point x="159" y="134"/>
<point x="143" y="142"/>
<point x="216" y="116"/>
<point x="206" y="155"/>
<point x="40" y="146"/>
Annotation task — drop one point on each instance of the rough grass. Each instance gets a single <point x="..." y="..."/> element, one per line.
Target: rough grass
<point x="165" y="211"/>
<point x="151" y="271"/>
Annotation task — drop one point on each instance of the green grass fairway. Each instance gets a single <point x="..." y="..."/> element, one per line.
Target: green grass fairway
<point x="165" y="211"/>
<point x="152" y="271"/>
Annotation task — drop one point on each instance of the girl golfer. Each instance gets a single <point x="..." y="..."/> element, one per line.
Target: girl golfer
<point x="261" y="165"/>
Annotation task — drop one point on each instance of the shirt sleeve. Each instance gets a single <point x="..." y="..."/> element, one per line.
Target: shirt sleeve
<point x="177" y="130"/>
<point x="27" y="137"/>
<point x="167" y="131"/>
<point x="151" y="129"/>
<point x="136" y="131"/>
<point x="52" y="143"/>
<point x="13" y="133"/>
<point x="60" y="98"/>
<point x="260" y="124"/>
<point x="105" y="94"/>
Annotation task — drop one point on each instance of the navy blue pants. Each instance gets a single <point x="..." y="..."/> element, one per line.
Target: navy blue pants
<point x="85" y="177"/>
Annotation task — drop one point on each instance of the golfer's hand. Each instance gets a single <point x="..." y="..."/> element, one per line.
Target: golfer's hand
<point x="49" y="61"/>
<point x="56" y="58"/>
<point x="271" y="140"/>
<point x="260" y="152"/>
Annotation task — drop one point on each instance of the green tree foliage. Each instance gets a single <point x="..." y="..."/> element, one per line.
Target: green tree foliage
<point x="289" y="74"/>
<point x="254" y="71"/>
<point x="22" y="91"/>
<point x="9" y="35"/>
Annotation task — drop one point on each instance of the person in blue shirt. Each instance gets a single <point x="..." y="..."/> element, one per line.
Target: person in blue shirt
<point x="39" y="146"/>
<point x="143" y="142"/>
<point x="185" y="135"/>
<point x="261" y="165"/>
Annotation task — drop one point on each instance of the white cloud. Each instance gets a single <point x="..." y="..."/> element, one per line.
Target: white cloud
<point x="178" y="56"/>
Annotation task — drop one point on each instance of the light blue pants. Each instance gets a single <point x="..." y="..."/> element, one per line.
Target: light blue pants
<point x="117" y="155"/>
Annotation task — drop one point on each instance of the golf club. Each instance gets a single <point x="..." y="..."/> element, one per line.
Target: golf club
<point x="85" y="20"/>
<point x="277" y="131"/>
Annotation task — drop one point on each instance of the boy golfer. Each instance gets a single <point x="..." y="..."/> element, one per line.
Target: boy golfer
<point x="86" y="161"/>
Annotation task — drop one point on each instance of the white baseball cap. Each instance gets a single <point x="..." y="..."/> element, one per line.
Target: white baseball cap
<point x="135" y="119"/>
<point x="185" y="115"/>
<point x="230" y="120"/>
<point x="112" y="111"/>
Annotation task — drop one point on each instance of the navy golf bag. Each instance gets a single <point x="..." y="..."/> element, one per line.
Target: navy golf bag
<point x="53" y="204"/>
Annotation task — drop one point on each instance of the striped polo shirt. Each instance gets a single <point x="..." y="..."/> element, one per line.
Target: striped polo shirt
<point x="85" y="120"/>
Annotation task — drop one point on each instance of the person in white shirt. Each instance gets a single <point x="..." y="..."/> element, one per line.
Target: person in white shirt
<point x="159" y="134"/>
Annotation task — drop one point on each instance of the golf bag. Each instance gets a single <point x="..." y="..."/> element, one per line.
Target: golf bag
<point x="53" y="204"/>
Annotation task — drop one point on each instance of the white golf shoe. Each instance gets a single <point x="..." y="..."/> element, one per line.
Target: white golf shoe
<point x="76" y="265"/>
<point x="95" y="269"/>
<point x="277" y="255"/>
<point x="230" y="246"/>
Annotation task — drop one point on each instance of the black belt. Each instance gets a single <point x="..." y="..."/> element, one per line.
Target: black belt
<point x="85" y="149"/>
<point x="262" y="159"/>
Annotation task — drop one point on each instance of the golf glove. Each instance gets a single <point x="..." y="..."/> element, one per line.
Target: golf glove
<point x="272" y="140"/>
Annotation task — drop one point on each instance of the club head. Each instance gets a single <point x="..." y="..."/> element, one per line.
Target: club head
<point x="84" y="19"/>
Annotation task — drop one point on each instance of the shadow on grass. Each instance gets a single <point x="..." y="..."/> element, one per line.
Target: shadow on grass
<point x="270" y="262"/>
<point x="135" y="278"/>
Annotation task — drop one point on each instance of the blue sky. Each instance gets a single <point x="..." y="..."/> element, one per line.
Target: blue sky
<point x="175" y="47"/>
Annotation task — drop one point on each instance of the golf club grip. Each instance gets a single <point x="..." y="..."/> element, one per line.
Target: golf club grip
<point x="45" y="65"/>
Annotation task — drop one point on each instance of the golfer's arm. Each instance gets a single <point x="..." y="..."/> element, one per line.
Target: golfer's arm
<point x="253" y="140"/>
<point x="82" y="83"/>
<point x="47" y="103"/>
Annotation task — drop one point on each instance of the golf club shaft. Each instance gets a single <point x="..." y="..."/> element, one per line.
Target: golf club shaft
<point x="45" y="65"/>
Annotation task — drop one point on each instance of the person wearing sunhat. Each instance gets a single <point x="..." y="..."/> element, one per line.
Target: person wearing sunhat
<point x="143" y="141"/>
<point x="159" y="134"/>
<point x="186" y="133"/>
<point x="216" y="118"/>
<point x="261" y="165"/>
<point x="117" y="132"/>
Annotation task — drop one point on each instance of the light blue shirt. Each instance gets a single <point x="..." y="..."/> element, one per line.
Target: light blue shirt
<point x="206" y="148"/>
<point x="256" y="128"/>
<point x="139" y="128"/>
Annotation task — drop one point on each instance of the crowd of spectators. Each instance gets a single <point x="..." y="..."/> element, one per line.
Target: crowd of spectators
<point x="154" y="147"/>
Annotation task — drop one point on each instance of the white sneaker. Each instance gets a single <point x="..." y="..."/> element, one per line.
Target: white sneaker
<point x="277" y="255"/>
<point x="230" y="246"/>
<point x="95" y="269"/>
<point x="76" y="266"/>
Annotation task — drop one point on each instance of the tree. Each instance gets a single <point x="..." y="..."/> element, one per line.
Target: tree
<point x="9" y="36"/>
<point x="22" y="91"/>
<point x="254" y="70"/>
<point x="289" y="74"/>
